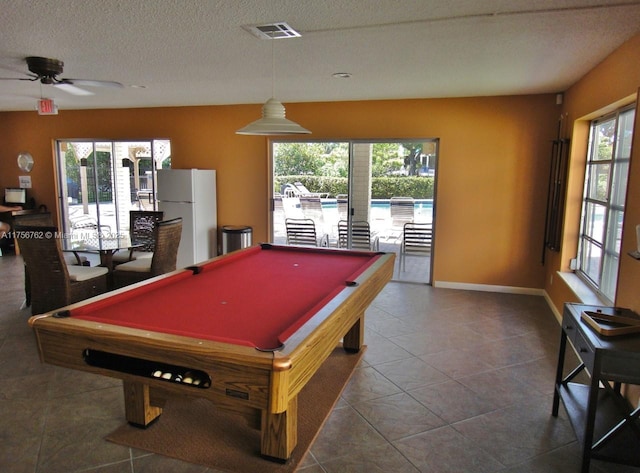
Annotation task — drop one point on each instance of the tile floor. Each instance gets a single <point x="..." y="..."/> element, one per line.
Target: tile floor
<point x="453" y="381"/>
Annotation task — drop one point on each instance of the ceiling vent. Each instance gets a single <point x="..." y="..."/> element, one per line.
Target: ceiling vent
<point x="278" y="30"/>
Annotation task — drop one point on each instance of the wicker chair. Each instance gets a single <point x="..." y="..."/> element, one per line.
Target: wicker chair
<point x="53" y="283"/>
<point x="42" y="219"/>
<point x="165" y="256"/>
<point x="142" y="223"/>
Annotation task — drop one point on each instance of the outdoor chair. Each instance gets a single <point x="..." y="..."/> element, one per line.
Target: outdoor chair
<point x="167" y="236"/>
<point x="361" y="237"/>
<point x="416" y="241"/>
<point x="302" y="232"/>
<point x="289" y="190"/>
<point x="142" y="223"/>
<point x="342" y="201"/>
<point x="278" y="214"/>
<point x="85" y="228"/>
<point x="53" y="283"/>
<point x="312" y="208"/>
<point x="304" y="191"/>
<point x="402" y="211"/>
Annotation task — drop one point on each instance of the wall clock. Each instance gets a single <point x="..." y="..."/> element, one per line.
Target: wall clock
<point x="25" y="161"/>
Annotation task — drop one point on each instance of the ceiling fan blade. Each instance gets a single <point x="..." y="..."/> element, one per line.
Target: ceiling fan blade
<point x="72" y="89"/>
<point x="92" y="83"/>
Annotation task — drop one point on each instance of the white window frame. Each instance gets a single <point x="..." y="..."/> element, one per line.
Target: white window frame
<point x="603" y="204"/>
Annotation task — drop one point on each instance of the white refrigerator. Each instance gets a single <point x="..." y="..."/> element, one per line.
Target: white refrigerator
<point x="191" y="194"/>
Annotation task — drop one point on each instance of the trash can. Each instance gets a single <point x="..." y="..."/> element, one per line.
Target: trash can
<point x="235" y="238"/>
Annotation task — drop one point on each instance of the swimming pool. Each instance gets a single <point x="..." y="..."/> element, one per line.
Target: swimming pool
<point x="419" y="204"/>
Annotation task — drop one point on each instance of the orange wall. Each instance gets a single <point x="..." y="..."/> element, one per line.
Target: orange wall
<point x="611" y="84"/>
<point x="492" y="176"/>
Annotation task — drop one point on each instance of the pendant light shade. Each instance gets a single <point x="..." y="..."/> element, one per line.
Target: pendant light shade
<point x="273" y="122"/>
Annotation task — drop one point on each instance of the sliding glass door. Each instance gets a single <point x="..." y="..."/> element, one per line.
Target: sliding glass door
<point x="99" y="182"/>
<point x="350" y="190"/>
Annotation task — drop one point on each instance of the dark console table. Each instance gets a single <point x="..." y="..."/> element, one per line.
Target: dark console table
<point x="604" y="421"/>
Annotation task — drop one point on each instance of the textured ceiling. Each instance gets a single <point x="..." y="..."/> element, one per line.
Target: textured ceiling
<point x="195" y="52"/>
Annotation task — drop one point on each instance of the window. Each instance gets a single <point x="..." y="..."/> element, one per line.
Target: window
<point x="99" y="182"/>
<point x="603" y="203"/>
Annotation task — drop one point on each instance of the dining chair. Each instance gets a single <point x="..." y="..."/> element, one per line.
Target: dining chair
<point x="142" y="224"/>
<point x="167" y="236"/>
<point x="43" y="219"/>
<point x="52" y="282"/>
<point x="302" y="231"/>
<point x="416" y="241"/>
<point x="361" y="237"/>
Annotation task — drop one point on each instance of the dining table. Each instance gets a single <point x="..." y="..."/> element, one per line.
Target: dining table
<point x="105" y="244"/>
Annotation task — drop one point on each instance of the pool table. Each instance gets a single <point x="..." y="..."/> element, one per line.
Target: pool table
<point x="246" y="330"/>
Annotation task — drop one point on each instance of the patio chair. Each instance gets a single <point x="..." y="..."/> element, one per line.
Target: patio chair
<point x="86" y="228"/>
<point x="54" y="283"/>
<point x="416" y="241"/>
<point x="302" y="231"/>
<point x="304" y="191"/>
<point x="361" y="237"/>
<point x="342" y="201"/>
<point x="402" y="211"/>
<point x="279" y="214"/>
<point x="311" y="206"/>
<point x="289" y="190"/>
<point x="167" y="236"/>
<point x="142" y="223"/>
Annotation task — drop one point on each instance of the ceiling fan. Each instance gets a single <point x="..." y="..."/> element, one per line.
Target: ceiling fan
<point x="46" y="71"/>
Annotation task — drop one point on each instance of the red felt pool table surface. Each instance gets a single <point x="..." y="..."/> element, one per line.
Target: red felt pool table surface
<point x="256" y="297"/>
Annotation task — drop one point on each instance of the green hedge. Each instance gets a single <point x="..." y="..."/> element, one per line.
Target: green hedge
<point x="381" y="187"/>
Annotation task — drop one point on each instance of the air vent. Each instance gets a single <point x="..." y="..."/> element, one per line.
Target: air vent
<point x="279" y="30"/>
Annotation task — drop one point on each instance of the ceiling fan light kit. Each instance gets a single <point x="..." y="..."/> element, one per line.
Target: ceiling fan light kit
<point x="273" y="121"/>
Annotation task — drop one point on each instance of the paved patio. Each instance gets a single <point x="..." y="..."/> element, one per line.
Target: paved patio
<point x="418" y="268"/>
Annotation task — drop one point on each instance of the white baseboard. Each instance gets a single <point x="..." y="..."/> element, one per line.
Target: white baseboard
<point x="489" y="288"/>
<point x="555" y="311"/>
<point x="504" y="289"/>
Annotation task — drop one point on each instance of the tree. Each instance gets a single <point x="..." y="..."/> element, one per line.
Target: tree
<point x="315" y="159"/>
<point x="413" y="158"/>
<point x="385" y="159"/>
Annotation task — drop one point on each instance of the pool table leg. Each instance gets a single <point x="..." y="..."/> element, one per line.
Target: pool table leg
<point x="280" y="432"/>
<point x="138" y="408"/>
<point x="354" y="338"/>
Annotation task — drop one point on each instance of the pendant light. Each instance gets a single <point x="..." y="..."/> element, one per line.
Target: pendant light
<point x="273" y="121"/>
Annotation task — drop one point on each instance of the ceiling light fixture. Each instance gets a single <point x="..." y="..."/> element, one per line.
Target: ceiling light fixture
<point x="273" y="121"/>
